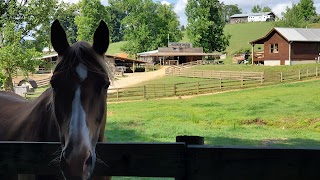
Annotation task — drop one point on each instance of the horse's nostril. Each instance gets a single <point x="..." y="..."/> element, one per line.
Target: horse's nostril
<point x="89" y="161"/>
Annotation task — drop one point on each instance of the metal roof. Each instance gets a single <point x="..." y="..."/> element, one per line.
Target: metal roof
<point x="293" y="34"/>
<point x="300" y="34"/>
<point x="250" y="14"/>
<point x="147" y="53"/>
<point x="181" y="54"/>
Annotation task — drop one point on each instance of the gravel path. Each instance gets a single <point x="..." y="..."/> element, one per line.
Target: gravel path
<point x="136" y="78"/>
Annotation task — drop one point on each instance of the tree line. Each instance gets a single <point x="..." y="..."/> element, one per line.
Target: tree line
<point x="144" y="25"/>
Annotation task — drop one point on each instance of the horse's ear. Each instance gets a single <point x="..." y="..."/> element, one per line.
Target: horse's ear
<point x="101" y="38"/>
<point x="59" y="39"/>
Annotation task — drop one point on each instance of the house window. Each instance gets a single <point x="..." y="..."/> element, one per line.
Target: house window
<point x="274" y="48"/>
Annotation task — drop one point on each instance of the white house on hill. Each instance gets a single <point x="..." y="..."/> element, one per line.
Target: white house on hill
<point x="252" y="17"/>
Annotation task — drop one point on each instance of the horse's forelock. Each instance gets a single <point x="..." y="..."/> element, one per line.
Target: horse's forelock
<point x="82" y="52"/>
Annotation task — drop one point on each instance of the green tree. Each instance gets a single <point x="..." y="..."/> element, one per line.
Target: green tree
<point x="148" y="25"/>
<point x="91" y="12"/>
<point x="256" y="9"/>
<point x="116" y="12"/>
<point x="183" y="28"/>
<point x="205" y="25"/>
<point x="14" y="57"/>
<point x="306" y="9"/>
<point x="292" y="17"/>
<point x="229" y="10"/>
<point x="66" y="13"/>
<point x="266" y="9"/>
<point x="19" y="20"/>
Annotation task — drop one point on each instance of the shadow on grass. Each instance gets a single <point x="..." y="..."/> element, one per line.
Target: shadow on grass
<point x="281" y="142"/>
<point x="124" y="132"/>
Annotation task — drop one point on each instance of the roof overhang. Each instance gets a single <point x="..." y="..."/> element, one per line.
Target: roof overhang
<point x="162" y="54"/>
<point x="119" y="58"/>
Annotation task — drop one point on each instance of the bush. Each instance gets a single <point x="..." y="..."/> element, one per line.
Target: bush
<point x="243" y="50"/>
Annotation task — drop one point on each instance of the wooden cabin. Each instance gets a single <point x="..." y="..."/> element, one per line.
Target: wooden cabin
<point x="288" y="46"/>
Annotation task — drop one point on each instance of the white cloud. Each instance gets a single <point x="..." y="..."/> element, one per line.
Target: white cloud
<point x="165" y="2"/>
<point x="179" y="8"/>
<point x="280" y="8"/>
<point x="103" y="2"/>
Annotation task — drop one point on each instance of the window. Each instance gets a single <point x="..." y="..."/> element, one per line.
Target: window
<point x="274" y="48"/>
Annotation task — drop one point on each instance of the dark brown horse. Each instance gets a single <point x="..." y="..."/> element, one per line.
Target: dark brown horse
<point x="72" y="110"/>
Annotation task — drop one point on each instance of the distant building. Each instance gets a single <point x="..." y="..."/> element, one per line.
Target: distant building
<point x="252" y="17"/>
<point x="176" y="53"/>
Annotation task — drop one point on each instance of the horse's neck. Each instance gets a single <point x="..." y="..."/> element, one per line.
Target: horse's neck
<point x="38" y="123"/>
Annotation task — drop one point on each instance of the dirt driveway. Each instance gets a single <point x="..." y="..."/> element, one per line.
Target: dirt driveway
<point x="131" y="79"/>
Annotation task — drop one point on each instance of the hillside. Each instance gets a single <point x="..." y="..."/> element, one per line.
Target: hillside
<point x="241" y="35"/>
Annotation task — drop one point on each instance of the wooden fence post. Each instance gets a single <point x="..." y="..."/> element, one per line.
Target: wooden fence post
<point x="307" y="72"/>
<point x="220" y="83"/>
<point x="144" y="92"/>
<point x="281" y="77"/>
<point x="198" y="87"/>
<point x="189" y="140"/>
<point x="117" y="94"/>
<point x="316" y="71"/>
<point x="262" y="78"/>
<point x="299" y="75"/>
<point x="241" y="80"/>
<point x="175" y="89"/>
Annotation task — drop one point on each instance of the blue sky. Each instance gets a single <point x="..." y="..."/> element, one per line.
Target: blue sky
<point x="277" y="6"/>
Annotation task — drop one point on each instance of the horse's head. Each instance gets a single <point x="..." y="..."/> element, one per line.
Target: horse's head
<point x="79" y="85"/>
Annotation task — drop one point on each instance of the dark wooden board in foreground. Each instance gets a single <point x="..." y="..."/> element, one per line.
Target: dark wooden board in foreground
<point x="171" y="160"/>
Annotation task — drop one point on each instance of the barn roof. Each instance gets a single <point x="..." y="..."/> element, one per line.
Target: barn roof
<point x="157" y="54"/>
<point x="294" y="35"/>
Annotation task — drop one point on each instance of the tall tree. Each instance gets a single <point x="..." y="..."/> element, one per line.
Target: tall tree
<point x="306" y="9"/>
<point x="266" y="9"/>
<point x="91" y="12"/>
<point x="205" y="25"/>
<point x="148" y="25"/>
<point x="298" y="16"/>
<point x="229" y="10"/>
<point x="256" y="9"/>
<point x="66" y="13"/>
<point x="19" y="20"/>
<point x="116" y="12"/>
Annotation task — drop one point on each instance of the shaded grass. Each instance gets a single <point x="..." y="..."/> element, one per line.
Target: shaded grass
<point x="282" y="115"/>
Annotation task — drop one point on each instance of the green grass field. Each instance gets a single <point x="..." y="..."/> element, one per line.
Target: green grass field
<point x="115" y="48"/>
<point x="241" y="67"/>
<point x="282" y="115"/>
<point x="243" y="33"/>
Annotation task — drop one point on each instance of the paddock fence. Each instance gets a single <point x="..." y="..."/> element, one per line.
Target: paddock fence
<point x="209" y="82"/>
<point x="183" y="160"/>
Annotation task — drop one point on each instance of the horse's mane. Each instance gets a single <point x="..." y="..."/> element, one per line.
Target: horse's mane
<point x="82" y="52"/>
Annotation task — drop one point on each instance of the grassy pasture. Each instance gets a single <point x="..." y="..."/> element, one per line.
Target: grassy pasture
<point x="282" y="115"/>
<point x="243" y="33"/>
<point x="241" y="67"/>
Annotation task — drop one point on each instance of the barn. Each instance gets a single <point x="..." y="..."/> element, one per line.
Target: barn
<point x="252" y="17"/>
<point x="288" y="46"/>
<point x="176" y="53"/>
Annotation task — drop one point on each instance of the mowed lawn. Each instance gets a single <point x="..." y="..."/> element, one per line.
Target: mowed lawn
<point x="282" y="115"/>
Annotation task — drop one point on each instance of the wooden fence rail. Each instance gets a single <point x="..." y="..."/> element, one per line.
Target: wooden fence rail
<point x="216" y="81"/>
<point x="180" y="160"/>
